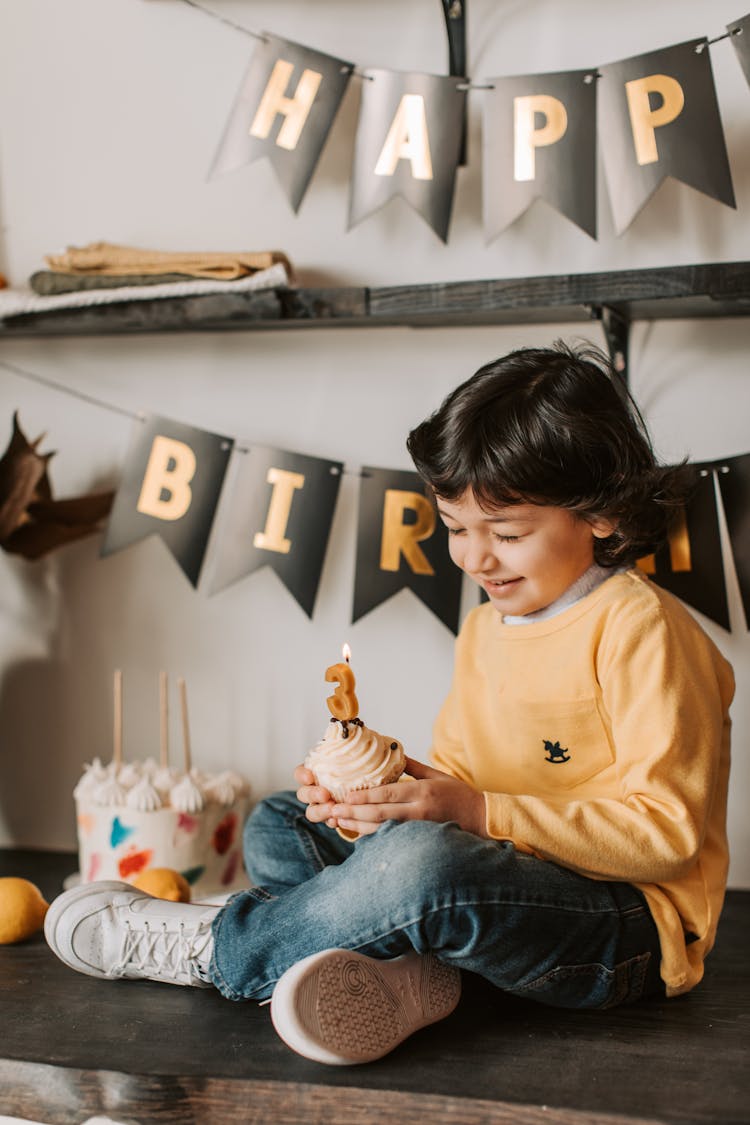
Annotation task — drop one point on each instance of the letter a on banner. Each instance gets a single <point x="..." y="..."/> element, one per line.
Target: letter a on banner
<point x="660" y="117"/>
<point x="279" y="514"/>
<point x="284" y="110"/>
<point x="539" y="137"/>
<point x="170" y="487"/>
<point x="400" y="544"/>
<point x="408" y="143"/>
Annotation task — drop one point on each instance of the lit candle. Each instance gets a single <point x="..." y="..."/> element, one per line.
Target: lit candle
<point x="343" y="703"/>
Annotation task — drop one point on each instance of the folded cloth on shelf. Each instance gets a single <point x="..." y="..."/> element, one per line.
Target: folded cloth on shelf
<point x="109" y="258"/>
<point x="48" y="283"/>
<point x="14" y="302"/>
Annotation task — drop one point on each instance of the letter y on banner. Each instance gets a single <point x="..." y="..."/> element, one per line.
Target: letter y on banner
<point x="170" y="487"/>
<point x="401" y="543"/>
<point x="284" y="110"/>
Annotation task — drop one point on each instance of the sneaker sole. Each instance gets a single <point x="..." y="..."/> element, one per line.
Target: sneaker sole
<point x="343" y="1008"/>
<point x="58" y="908"/>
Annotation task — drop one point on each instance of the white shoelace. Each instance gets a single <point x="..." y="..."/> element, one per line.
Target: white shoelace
<point x="168" y="954"/>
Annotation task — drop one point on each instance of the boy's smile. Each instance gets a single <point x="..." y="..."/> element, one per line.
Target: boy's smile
<point x="524" y="556"/>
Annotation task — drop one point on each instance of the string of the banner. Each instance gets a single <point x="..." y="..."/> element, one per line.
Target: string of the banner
<point x="370" y="78"/>
<point x="134" y="415"/>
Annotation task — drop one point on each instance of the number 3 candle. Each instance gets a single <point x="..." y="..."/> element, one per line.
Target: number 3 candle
<point x="343" y="703"/>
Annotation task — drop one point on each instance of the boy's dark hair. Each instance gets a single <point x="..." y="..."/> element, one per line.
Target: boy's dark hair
<point x="554" y="426"/>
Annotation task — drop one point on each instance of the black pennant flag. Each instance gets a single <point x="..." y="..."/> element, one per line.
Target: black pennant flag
<point x="740" y="33"/>
<point x="539" y="136"/>
<point x="408" y="143"/>
<point x="690" y="565"/>
<point x="660" y="117"/>
<point x="401" y="544"/>
<point x="279" y="514"/>
<point x="170" y="487"/>
<point x="734" y="485"/>
<point x="284" y="110"/>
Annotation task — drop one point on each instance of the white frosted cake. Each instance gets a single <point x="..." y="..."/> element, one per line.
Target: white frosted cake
<point x="139" y="816"/>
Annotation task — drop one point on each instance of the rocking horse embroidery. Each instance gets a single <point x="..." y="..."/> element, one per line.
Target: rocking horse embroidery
<point x="555" y="752"/>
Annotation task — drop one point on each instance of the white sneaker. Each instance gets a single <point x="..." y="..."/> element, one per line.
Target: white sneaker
<point x="112" y="930"/>
<point x="342" y="1008"/>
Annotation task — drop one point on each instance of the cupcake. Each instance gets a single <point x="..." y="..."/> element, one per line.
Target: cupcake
<point x="351" y="756"/>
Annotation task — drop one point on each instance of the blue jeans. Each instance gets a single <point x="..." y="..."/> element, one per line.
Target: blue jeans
<point x="528" y="926"/>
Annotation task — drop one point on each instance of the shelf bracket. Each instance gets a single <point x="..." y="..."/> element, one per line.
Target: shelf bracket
<point x="454" y="12"/>
<point x="616" y="326"/>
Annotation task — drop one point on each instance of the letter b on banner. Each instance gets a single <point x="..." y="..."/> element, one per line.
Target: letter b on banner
<point x="170" y="487"/>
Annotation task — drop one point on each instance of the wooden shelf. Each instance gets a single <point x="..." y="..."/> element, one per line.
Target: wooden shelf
<point x="709" y="290"/>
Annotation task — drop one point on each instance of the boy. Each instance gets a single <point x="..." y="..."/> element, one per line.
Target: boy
<point x="568" y="842"/>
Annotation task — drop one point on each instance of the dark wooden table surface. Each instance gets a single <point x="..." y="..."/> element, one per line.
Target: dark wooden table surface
<point x="72" y="1046"/>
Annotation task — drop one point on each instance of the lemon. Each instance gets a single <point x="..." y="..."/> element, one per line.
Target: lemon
<point x="22" y="909"/>
<point x="163" y="882"/>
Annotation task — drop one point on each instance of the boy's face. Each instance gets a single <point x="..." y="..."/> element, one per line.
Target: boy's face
<point x="523" y="556"/>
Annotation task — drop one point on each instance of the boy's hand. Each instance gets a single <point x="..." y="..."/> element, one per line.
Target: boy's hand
<point x="432" y="795"/>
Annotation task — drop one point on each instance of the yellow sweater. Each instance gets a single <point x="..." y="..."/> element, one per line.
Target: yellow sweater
<point x="600" y="738"/>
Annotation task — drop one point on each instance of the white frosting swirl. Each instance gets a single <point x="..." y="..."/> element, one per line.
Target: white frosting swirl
<point x="144" y="797"/>
<point x="110" y="792"/>
<point x="358" y="759"/>
<point x="129" y="775"/>
<point x="220" y="790"/>
<point x="91" y="779"/>
<point x="187" y="796"/>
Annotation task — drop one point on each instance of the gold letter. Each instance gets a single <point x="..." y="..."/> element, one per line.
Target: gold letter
<point x="643" y="119"/>
<point x="284" y="484"/>
<point x="295" y="109"/>
<point x="680" y="558"/>
<point x="527" y="138"/>
<point x="400" y="538"/>
<point x="171" y="467"/>
<point x="407" y="140"/>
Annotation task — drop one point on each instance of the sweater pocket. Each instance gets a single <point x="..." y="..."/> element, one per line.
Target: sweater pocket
<point x="561" y="744"/>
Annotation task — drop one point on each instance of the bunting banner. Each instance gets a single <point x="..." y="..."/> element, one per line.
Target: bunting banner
<point x="659" y="118"/>
<point x="170" y="487"/>
<point x="284" y="110"/>
<point x="734" y="485"/>
<point x="408" y="143"/>
<point x="690" y="564"/>
<point x="402" y="545"/>
<point x="278" y="506"/>
<point x="740" y="33"/>
<point x="279" y="514"/>
<point x="548" y="123"/>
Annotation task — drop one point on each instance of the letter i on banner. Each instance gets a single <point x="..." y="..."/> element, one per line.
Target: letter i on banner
<point x="278" y="513"/>
<point x="401" y="544"/>
<point x="284" y="110"/>
<point x="170" y="487"/>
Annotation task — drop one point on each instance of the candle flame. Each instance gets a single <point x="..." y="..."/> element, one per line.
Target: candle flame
<point x="347" y="654"/>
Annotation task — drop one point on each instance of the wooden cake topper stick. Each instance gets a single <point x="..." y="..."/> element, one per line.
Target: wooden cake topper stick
<point x="185" y="724"/>
<point x="163" y="721"/>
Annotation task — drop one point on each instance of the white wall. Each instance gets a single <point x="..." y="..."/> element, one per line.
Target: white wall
<point x="109" y="118"/>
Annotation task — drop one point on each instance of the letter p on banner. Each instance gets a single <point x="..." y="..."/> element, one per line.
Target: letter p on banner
<point x="170" y="487"/>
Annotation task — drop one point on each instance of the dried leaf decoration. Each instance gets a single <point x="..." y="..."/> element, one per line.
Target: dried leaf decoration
<point x="32" y="523"/>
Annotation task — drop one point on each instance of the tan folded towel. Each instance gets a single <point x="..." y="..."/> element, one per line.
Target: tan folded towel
<point x="108" y="258"/>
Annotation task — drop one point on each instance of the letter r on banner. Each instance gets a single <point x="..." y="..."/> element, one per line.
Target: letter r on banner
<point x="643" y="119"/>
<point x="407" y="140"/>
<point x="400" y="538"/>
<point x="165" y="492"/>
<point x="527" y="138"/>
<point x="273" y="538"/>
<point x="295" y="109"/>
